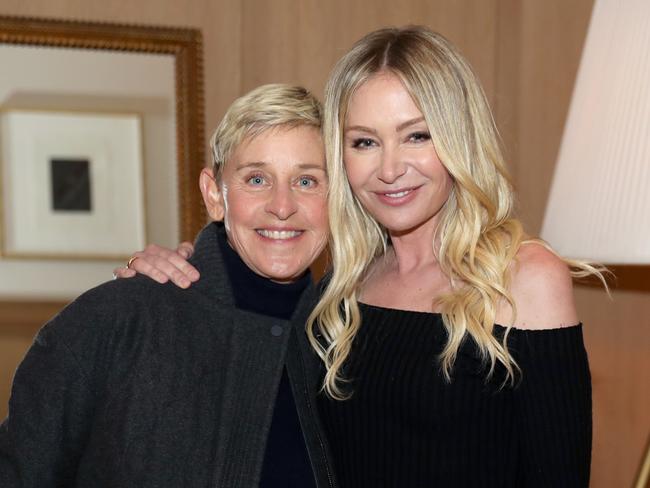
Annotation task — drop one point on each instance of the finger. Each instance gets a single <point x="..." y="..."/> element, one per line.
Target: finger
<point x="154" y="250"/>
<point x="151" y="267"/>
<point x="123" y="272"/>
<point x="177" y="269"/>
<point x="184" y="270"/>
<point x="185" y="249"/>
<point x="163" y="264"/>
<point x="168" y="265"/>
<point x="189" y="271"/>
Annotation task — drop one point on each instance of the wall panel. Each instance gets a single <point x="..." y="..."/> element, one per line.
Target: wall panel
<point x="299" y="41"/>
<point x="617" y="335"/>
<point x="551" y="38"/>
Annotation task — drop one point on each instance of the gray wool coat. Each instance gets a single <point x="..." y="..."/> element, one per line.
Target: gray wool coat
<point x="135" y="384"/>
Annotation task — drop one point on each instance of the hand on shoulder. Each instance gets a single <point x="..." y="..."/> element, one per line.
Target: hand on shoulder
<point x="162" y="264"/>
<point x="542" y="289"/>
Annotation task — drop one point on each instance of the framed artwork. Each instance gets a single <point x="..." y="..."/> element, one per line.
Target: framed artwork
<point x="60" y="176"/>
<point x="101" y="146"/>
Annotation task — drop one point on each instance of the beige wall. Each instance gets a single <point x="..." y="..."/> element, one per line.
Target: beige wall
<point x="527" y="55"/>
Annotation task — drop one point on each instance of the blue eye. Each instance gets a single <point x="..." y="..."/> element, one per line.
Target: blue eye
<point x="307" y="182"/>
<point x="256" y="180"/>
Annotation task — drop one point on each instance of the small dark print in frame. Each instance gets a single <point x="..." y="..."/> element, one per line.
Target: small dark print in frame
<point x="71" y="185"/>
<point x="60" y="174"/>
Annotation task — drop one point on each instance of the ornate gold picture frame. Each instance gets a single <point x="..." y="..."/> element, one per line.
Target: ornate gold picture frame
<point x="185" y="45"/>
<point x="182" y="50"/>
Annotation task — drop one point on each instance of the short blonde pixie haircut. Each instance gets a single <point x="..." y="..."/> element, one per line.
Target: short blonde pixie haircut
<point x="263" y="108"/>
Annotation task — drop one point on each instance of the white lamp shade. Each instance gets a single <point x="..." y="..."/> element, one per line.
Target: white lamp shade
<point x="599" y="205"/>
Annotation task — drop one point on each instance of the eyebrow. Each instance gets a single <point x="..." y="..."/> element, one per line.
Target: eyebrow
<point x="261" y="164"/>
<point x="312" y="166"/>
<point x="399" y="128"/>
<point x="251" y="164"/>
<point x="408" y="123"/>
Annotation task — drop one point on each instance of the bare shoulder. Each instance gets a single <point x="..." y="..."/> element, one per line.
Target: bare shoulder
<point x="542" y="289"/>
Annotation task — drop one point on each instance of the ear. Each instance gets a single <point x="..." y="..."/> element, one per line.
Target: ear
<point x="212" y="195"/>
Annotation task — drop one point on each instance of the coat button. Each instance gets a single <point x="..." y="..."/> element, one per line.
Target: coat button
<point x="277" y="330"/>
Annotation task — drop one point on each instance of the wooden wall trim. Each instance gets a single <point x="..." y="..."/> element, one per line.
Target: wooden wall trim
<point x="21" y="314"/>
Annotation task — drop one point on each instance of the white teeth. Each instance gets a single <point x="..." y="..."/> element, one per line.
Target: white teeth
<point x="399" y="194"/>
<point x="278" y="234"/>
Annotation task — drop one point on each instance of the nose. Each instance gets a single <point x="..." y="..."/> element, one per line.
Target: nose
<point x="282" y="202"/>
<point x="392" y="165"/>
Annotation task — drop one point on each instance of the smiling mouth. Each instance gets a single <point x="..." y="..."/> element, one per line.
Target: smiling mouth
<point x="398" y="194"/>
<point x="279" y="235"/>
<point x="398" y="197"/>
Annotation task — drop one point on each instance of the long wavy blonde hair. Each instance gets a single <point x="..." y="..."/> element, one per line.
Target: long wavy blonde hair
<point x="478" y="236"/>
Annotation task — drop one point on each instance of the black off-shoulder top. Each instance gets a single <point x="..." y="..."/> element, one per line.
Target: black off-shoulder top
<point x="406" y="426"/>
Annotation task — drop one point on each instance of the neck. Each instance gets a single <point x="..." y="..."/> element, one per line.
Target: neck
<point x="414" y="249"/>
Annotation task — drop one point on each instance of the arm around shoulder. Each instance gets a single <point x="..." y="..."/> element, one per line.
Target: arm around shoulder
<point x="542" y="289"/>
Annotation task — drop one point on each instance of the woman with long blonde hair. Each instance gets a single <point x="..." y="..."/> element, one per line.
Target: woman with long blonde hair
<point x="421" y="385"/>
<point x="452" y="350"/>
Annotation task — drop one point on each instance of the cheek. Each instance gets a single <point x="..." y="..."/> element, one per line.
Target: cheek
<point x="316" y="214"/>
<point x="448" y="182"/>
<point x="445" y="185"/>
<point x="240" y="206"/>
<point x="430" y="166"/>
<point x="313" y="216"/>
<point x="361" y="165"/>
<point x="442" y="175"/>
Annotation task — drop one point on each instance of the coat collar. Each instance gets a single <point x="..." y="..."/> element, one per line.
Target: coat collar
<point x="207" y="259"/>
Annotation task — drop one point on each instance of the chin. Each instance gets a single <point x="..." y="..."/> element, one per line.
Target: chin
<point x="285" y="275"/>
<point x="288" y="278"/>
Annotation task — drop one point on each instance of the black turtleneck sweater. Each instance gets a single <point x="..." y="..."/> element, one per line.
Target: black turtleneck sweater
<point x="286" y="462"/>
